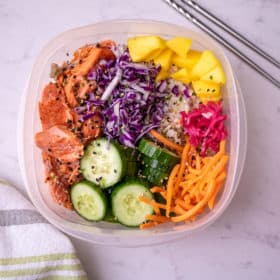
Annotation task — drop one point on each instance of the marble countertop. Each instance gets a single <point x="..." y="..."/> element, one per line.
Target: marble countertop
<point x="245" y="242"/>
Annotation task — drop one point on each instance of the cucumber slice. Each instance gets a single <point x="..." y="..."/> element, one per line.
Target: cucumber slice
<point x="127" y="207"/>
<point x="103" y="163"/>
<point x="154" y="151"/>
<point x="155" y="176"/>
<point x="131" y="156"/>
<point x="155" y="164"/>
<point x="88" y="201"/>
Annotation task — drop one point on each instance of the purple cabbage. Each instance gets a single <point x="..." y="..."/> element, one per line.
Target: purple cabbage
<point x="135" y="105"/>
<point x="131" y="102"/>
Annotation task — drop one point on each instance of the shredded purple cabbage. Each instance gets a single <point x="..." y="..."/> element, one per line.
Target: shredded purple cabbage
<point x="131" y="102"/>
<point x="135" y="105"/>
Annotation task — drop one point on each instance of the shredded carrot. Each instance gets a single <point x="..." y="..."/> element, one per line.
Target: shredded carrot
<point x="152" y="202"/>
<point x="166" y="141"/>
<point x="197" y="162"/>
<point x="183" y="204"/>
<point x="179" y="210"/>
<point x="198" y="206"/>
<point x="148" y="225"/>
<point x="170" y="187"/>
<point x="157" y="189"/>
<point x="182" y="166"/>
<point x="220" y="181"/>
<point x="192" y="186"/>
<point x="160" y="219"/>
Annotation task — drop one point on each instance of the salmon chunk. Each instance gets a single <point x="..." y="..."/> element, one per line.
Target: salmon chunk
<point x="60" y="142"/>
<point x="52" y="109"/>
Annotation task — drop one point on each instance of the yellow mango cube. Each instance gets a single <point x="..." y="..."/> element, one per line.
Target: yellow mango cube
<point x="161" y="75"/>
<point x="207" y="90"/>
<point x="179" y="45"/>
<point x="206" y="63"/>
<point x="216" y="75"/>
<point x="186" y="62"/>
<point x="153" y="55"/>
<point x="182" y="75"/>
<point x="164" y="59"/>
<point x="143" y="46"/>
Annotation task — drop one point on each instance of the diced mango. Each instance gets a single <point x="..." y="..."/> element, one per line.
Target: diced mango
<point x="153" y="55"/>
<point x="216" y="75"/>
<point x="207" y="90"/>
<point x="188" y="62"/>
<point x="180" y="45"/>
<point x="161" y="75"/>
<point x="164" y="59"/>
<point x="143" y="46"/>
<point x="182" y="75"/>
<point x="205" y="64"/>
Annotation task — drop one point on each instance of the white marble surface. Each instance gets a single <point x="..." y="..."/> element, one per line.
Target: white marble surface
<point x="245" y="242"/>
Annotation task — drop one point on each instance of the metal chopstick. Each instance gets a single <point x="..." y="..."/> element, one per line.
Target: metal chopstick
<point x="223" y="41"/>
<point x="231" y="31"/>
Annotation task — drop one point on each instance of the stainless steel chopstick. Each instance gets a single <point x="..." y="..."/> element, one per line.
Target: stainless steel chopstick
<point x="231" y="31"/>
<point x="223" y="41"/>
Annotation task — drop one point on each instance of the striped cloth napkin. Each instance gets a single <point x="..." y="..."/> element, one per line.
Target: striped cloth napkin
<point x="30" y="248"/>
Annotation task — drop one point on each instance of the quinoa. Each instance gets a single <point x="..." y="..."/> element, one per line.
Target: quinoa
<point x="171" y="123"/>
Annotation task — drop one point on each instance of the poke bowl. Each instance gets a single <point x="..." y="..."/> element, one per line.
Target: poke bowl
<point x="169" y="181"/>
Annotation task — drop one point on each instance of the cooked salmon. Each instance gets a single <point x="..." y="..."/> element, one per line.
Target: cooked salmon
<point x="92" y="128"/>
<point x="76" y="88"/>
<point x="60" y="143"/>
<point x="64" y="136"/>
<point x="53" y="109"/>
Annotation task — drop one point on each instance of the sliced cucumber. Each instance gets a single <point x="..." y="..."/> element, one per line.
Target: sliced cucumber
<point x="126" y="205"/>
<point x="103" y="163"/>
<point x="148" y="162"/>
<point x="155" y="176"/>
<point x="131" y="156"/>
<point x="154" y="151"/>
<point x="88" y="201"/>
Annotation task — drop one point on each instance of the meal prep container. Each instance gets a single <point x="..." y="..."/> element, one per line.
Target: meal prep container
<point x="29" y="123"/>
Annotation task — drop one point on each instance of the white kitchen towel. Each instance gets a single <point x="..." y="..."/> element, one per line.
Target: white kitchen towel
<point x="31" y="248"/>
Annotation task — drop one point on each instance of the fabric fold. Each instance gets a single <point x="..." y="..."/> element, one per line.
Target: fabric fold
<point x="31" y="248"/>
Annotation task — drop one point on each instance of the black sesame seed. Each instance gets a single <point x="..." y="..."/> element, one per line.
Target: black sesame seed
<point x="115" y="171"/>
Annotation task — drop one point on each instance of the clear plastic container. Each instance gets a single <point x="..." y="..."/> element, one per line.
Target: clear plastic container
<point x="29" y="123"/>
